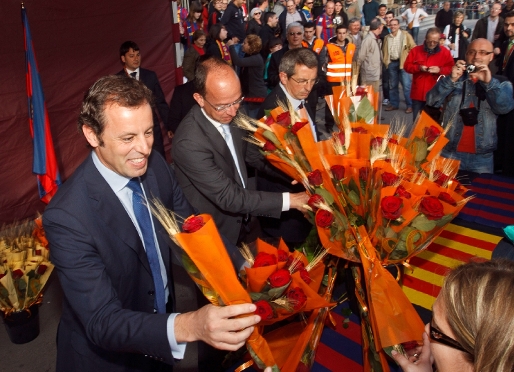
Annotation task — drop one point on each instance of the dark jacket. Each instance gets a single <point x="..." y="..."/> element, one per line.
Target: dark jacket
<point x="253" y="27"/>
<point x="282" y="21"/>
<point x="370" y="11"/>
<point x="266" y="33"/>
<point x="443" y="18"/>
<point x="233" y="20"/>
<point x="252" y="73"/>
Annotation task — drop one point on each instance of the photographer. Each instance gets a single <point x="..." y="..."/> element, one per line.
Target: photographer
<point x="472" y="99"/>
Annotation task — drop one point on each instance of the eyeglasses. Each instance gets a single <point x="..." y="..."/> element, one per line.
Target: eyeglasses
<point x="225" y="107"/>
<point x="298" y="33"/>
<point x="481" y="53"/>
<point x="309" y="3"/>
<point x="305" y="81"/>
<point x="440" y="337"/>
<point x="257" y="13"/>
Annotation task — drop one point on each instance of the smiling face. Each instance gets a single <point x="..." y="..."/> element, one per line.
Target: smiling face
<point x="294" y="37"/>
<point x="273" y="21"/>
<point x="127" y="139"/>
<point x="473" y="55"/>
<point x="132" y="59"/>
<point x="200" y="42"/>
<point x="446" y="358"/>
<point x="291" y="7"/>
<point x="458" y="20"/>
<point x="388" y="18"/>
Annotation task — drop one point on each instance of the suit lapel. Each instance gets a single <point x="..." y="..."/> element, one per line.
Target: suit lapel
<point x="219" y="145"/>
<point x="112" y="212"/>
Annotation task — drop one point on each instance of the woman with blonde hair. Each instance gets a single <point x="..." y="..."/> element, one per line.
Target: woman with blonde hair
<point x="472" y="327"/>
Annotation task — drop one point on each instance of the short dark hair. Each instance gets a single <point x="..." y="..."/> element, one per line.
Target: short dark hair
<point x="273" y="42"/>
<point x="202" y="70"/>
<point x="382" y="6"/>
<point x="198" y="34"/>
<point x="113" y="89"/>
<point x="342" y="25"/>
<point x="309" y="24"/>
<point x="297" y="57"/>
<point x="214" y="31"/>
<point x="390" y="12"/>
<point x="374" y="24"/>
<point x="266" y="17"/>
<point x="126" y="46"/>
<point x="396" y="20"/>
<point x="509" y="14"/>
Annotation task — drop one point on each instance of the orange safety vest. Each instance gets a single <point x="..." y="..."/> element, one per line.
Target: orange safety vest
<point x="340" y="66"/>
<point x="316" y="46"/>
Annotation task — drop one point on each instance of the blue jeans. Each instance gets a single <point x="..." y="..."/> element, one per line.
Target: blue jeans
<point x="397" y="76"/>
<point x="417" y="106"/>
<point x="478" y="163"/>
<point x="414" y="33"/>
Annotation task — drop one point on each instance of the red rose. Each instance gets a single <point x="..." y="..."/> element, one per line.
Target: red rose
<point x="431" y="207"/>
<point x="444" y="196"/>
<point x="269" y="120"/>
<point x="282" y="255"/>
<point x="192" y="224"/>
<point x="409" y="345"/>
<point x="400" y="191"/>
<point x="298" y="264"/>
<point x="315" y="178"/>
<point x="361" y="91"/>
<point x="389" y="179"/>
<point x="359" y="130"/>
<point x="341" y="137"/>
<point x="264" y="310"/>
<point x="431" y="134"/>
<point x="392" y="140"/>
<point x="363" y="173"/>
<point x="377" y="142"/>
<point x="315" y="200"/>
<point x="269" y="146"/>
<point x="284" y="119"/>
<point x="324" y="218"/>
<point x="304" y="274"/>
<point x="17" y="274"/>
<point x="264" y="259"/>
<point x="337" y="172"/>
<point x="279" y="278"/>
<point x="297" y="298"/>
<point x="391" y="207"/>
<point x="297" y="126"/>
<point x="440" y="178"/>
<point x="41" y="269"/>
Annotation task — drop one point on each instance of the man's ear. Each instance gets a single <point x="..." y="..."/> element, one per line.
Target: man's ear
<point x="283" y="77"/>
<point x="123" y="59"/>
<point x="199" y="99"/>
<point x="91" y="136"/>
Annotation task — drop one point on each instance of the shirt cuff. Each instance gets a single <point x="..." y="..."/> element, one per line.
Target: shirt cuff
<point x="177" y="349"/>
<point x="286" y="202"/>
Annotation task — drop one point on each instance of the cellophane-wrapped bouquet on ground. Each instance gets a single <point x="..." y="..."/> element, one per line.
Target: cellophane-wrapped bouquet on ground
<point x="280" y="283"/>
<point x="24" y="266"/>
<point x="378" y="197"/>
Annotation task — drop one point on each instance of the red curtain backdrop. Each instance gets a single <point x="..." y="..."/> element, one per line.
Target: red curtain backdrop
<point x="76" y="42"/>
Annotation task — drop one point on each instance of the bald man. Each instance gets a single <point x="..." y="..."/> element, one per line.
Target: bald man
<point x="210" y="155"/>
<point x="474" y="101"/>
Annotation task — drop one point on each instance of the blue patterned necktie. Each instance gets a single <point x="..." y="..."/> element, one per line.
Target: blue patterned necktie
<point x="145" y="225"/>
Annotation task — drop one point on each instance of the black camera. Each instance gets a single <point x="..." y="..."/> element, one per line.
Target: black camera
<point x="469" y="116"/>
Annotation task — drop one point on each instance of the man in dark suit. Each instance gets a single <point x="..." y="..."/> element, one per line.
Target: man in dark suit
<point x="210" y="156"/>
<point x="181" y="102"/>
<point x="298" y="73"/>
<point x="131" y="59"/>
<point x="114" y="267"/>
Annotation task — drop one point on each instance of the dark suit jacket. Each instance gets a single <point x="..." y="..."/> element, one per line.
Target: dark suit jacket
<point x="282" y="22"/>
<point x="149" y="78"/>
<point x="181" y="102"/>
<point x="208" y="175"/>
<point x="107" y="322"/>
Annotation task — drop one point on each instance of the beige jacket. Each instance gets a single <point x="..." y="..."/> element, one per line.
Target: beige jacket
<point x="406" y="44"/>
<point x="369" y="59"/>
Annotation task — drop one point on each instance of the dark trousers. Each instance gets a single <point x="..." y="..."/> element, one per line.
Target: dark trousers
<point x="385" y="82"/>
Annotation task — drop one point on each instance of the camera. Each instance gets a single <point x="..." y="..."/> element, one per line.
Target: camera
<point x="471" y="68"/>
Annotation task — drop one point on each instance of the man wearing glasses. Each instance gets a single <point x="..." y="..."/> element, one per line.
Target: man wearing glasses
<point x="210" y="158"/>
<point x="473" y="100"/>
<point x="426" y="63"/>
<point x="298" y="73"/>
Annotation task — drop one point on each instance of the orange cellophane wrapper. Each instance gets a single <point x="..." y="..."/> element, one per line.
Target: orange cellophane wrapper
<point x="289" y="342"/>
<point x="215" y="265"/>
<point x="359" y="146"/>
<point x="39" y="232"/>
<point x="394" y="319"/>
<point x="426" y="121"/>
<point x="335" y="247"/>
<point x="450" y="167"/>
<point x="284" y="167"/>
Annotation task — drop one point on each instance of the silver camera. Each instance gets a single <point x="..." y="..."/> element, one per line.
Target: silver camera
<point x="471" y="68"/>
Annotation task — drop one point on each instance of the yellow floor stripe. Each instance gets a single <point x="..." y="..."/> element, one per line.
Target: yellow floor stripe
<point x="473" y="233"/>
<point x="466" y="248"/>
<point x="426" y="276"/>
<point x="439" y="259"/>
<point x="419" y="298"/>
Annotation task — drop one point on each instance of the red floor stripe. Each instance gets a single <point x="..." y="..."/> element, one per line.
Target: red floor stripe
<point x="498" y="194"/>
<point x="331" y="359"/>
<point x="421" y="286"/>
<point x="428" y="266"/>
<point x="353" y="332"/>
<point x="507" y="185"/>
<point x="468" y="240"/>
<point x="488" y="216"/>
<point x="508" y="208"/>
<point x="450" y="252"/>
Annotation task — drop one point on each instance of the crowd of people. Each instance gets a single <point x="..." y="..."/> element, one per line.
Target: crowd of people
<point x="119" y="310"/>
